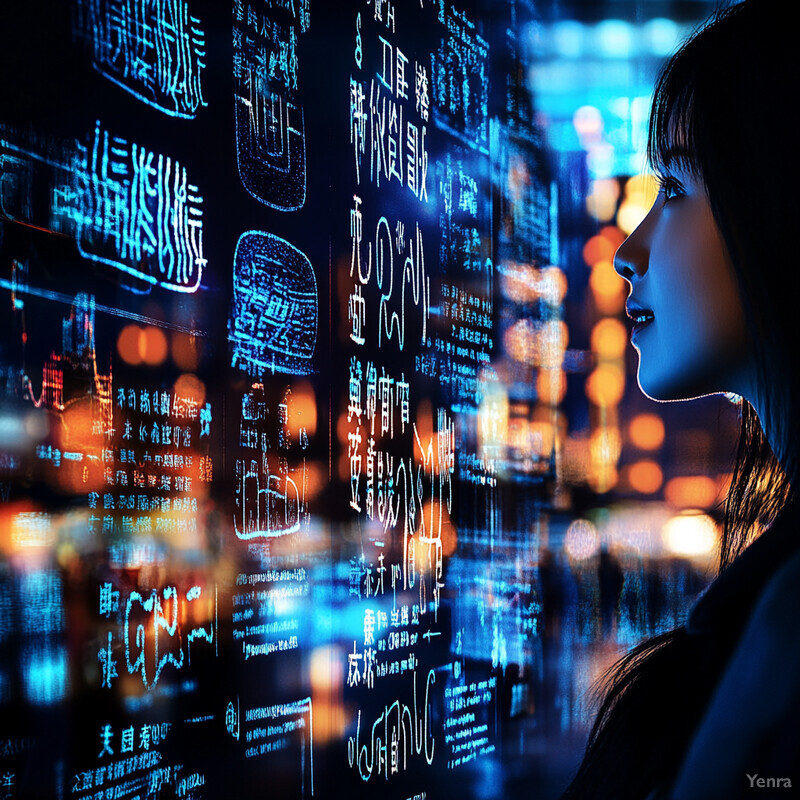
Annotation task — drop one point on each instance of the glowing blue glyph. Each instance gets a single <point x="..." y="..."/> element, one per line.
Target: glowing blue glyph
<point x="273" y="326"/>
<point x="136" y="211"/>
<point x="154" y="49"/>
<point x="270" y="129"/>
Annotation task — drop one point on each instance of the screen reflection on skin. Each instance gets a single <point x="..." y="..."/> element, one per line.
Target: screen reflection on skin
<point x="688" y="321"/>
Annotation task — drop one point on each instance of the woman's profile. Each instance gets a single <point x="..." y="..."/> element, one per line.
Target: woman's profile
<point x="712" y="708"/>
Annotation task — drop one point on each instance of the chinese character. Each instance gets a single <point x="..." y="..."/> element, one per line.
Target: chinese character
<point x="106" y="735"/>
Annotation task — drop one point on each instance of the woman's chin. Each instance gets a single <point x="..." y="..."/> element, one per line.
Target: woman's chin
<point x="669" y="389"/>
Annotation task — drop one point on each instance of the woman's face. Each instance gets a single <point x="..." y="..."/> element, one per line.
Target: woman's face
<point x="688" y="320"/>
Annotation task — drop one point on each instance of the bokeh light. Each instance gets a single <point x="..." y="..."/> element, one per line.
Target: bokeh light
<point x="646" y="431"/>
<point x="588" y="122"/>
<point x="568" y="38"/>
<point x="605" y="447"/>
<point x="582" y="540"/>
<point x="605" y="386"/>
<point x="142" y="345"/>
<point x="645" y="477"/>
<point x="609" y="338"/>
<point x="639" y="195"/>
<point x="661" y="35"/>
<point x="551" y="386"/>
<point x="601" y="202"/>
<point x="190" y="387"/>
<point x="691" y="491"/>
<point x="690" y="533"/>
<point x="598" y="248"/>
<point x="303" y="409"/>
<point x="185" y="350"/>
<point x="608" y="288"/>
<point x="615" y="38"/>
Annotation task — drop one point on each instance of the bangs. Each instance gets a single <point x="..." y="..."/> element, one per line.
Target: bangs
<point x="672" y="133"/>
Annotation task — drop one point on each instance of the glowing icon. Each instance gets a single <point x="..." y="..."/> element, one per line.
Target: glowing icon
<point x="273" y="326"/>
<point x="136" y="210"/>
<point x="270" y="128"/>
<point x="154" y="49"/>
<point x="232" y="719"/>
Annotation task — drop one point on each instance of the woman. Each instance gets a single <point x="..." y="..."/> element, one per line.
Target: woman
<point x="712" y="709"/>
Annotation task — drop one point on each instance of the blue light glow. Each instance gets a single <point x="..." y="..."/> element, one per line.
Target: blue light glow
<point x="45" y="673"/>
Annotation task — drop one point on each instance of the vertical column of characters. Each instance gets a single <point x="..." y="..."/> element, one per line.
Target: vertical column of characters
<point x="461" y="359"/>
<point x="398" y="447"/>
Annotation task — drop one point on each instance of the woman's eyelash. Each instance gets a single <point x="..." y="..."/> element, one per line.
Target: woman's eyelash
<point x="671" y="188"/>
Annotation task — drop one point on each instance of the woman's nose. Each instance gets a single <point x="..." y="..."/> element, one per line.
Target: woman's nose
<point x="632" y="256"/>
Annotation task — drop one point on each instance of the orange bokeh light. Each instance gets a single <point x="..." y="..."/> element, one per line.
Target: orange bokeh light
<point x="190" y="387"/>
<point x="645" y="477"/>
<point x="327" y="678"/>
<point x="647" y="431"/>
<point x="608" y="288"/>
<point x="303" y="409"/>
<point x="614" y="235"/>
<point x="598" y="248"/>
<point x="185" y="350"/>
<point x="605" y="386"/>
<point x="551" y="386"/>
<point x="142" y="345"/>
<point x="609" y="338"/>
<point x="605" y="446"/>
<point x="692" y="491"/>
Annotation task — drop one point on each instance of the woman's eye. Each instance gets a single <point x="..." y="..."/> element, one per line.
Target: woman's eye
<point x="671" y="189"/>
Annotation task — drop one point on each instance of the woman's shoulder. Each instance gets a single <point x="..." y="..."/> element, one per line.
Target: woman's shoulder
<point x="751" y="730"/>
<point x="728" y="602"/>
<point x="777" y="610"/>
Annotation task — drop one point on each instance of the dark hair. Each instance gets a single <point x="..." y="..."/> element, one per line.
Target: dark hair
<point x="719" y="106"/>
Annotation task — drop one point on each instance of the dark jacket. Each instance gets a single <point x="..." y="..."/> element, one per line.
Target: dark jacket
<point x="748" y="741"/>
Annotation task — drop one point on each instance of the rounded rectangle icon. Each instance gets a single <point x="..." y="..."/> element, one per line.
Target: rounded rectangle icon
<point x="269" y="122"/>
<point x="271" y="150"/>
<point x="137" y="211"/>
<point x="274" y="320"/>
<point x="154" y="50"/>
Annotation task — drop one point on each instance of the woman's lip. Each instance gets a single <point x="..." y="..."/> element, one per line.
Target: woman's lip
<point x="640" y="316"/>
<point x="640" y="325"/>
<point x="636" y="312"/>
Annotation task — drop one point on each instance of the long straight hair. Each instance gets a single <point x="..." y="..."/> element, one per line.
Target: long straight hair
<point x="720" y="102"/>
